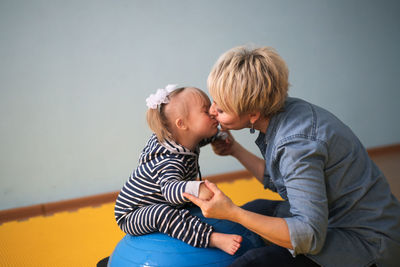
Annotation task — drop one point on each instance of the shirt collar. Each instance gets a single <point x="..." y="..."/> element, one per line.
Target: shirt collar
<point x="176" y="148"/>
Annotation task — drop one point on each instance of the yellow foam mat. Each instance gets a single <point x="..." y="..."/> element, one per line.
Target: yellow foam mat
<point x="244" y="190"/>
<point x="85" y="236"/>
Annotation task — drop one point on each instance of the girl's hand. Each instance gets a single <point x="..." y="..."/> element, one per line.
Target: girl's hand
<point x="224" y="147"/>
<point x="204" y="192"/>
<point x="218" y="207"/>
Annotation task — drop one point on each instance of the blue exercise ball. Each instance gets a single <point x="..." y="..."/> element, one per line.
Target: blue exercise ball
<point x="161" y="250"/>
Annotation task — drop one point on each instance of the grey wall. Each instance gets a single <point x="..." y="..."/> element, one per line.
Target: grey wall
<point x="74" y="76"/>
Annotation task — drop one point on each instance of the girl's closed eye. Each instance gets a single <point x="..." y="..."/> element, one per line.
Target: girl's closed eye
<point x="206" y="109"/>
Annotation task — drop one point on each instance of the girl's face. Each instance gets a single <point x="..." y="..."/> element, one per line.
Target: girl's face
<point x="228" y="121"/>
<point x="200" y="122"/>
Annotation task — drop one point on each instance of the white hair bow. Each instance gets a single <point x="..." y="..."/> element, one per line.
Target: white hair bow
<point x="160" y="97"/>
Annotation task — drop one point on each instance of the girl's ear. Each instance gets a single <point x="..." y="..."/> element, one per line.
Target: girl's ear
<point x="180" y="124"/>
<point x="254" y="116"/>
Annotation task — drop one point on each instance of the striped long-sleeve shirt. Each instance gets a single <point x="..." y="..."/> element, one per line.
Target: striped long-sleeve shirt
<point x="152" y="198"/>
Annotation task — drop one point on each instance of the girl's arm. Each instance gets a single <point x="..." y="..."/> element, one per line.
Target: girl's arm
<point x="172" y="183"/>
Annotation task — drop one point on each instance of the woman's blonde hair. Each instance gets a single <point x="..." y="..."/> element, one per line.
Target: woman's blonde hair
<point x="246" y="80"/>
<point x="160" y="122"/>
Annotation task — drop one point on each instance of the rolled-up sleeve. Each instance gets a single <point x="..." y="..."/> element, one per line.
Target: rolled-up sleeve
<point x="301" y="163"/>
<point x="192" y="187"/>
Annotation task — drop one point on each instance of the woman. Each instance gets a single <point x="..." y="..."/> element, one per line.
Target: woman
<point x="338" y="208"/>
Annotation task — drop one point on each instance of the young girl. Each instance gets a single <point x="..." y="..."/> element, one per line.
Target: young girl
<point x="152" y="198"/>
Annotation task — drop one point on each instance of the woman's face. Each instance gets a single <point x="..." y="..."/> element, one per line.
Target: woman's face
<point x="228" y="121"/>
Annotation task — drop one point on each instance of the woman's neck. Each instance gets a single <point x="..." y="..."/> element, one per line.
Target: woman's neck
<point x="262" y="124"/>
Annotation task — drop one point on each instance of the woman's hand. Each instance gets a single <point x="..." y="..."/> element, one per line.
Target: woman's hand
<point x="224" y="147"/>
<point x="221" y="207"/>
<point x="218" y="207"/>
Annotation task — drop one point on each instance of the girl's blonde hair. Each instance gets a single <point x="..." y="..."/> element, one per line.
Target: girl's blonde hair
<point x="160" y="122"/>
<point x="246" y="80"/>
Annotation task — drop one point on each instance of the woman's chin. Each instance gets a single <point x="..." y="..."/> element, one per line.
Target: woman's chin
<point x="226" y="127"/>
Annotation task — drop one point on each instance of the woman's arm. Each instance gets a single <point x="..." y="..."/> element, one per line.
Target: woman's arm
<point x="251" y="162"/>
<point x="273" y="229"/>
<point x="221" y="207"/>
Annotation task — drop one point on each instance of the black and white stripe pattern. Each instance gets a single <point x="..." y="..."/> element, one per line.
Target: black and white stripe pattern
<point x="151" y="200"/>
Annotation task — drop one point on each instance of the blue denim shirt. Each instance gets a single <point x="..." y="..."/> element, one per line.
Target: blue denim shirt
<point x="342" y="212"/>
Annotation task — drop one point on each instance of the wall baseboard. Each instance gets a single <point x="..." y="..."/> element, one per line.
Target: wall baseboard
<point x="383" y="150"/>
<point x="50" y="208"/>
<point x="47" y="209"/>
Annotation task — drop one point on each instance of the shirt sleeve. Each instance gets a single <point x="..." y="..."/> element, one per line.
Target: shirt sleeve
<point x="301" y="163"/>
<point x="172" y="184"/>
<point x="192" y="187"/>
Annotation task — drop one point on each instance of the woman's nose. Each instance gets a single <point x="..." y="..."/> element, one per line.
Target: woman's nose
<point x="212" y="111"/>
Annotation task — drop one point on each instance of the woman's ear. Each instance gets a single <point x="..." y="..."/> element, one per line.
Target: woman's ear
<point x="180" y="124"/>
<point x="254" y="116"/>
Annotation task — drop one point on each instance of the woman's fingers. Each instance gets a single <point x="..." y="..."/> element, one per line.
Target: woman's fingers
<point x="215" y="207"/>
<point x="194" y="199"/>
<point x="230" y="137"/>
<point x="213" y="187"/>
